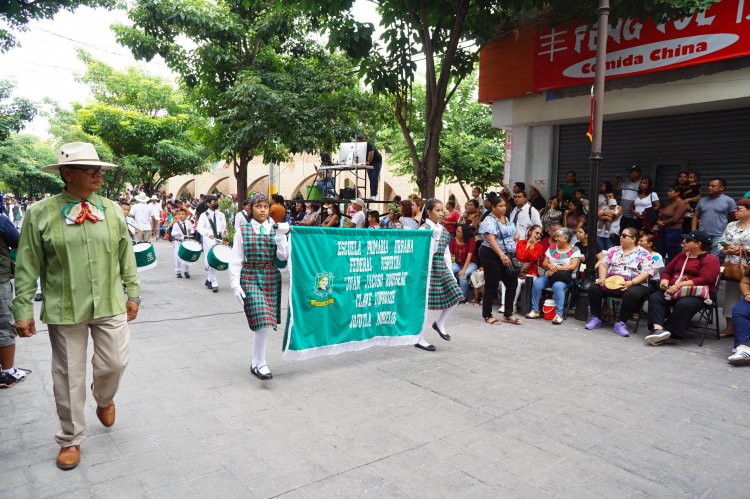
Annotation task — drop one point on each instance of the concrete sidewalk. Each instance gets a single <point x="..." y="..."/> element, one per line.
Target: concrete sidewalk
<point x="501" y="411"/>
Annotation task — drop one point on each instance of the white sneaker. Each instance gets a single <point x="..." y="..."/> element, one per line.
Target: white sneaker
<point x="658" y="338"/>
<point x="534" y="314"/>
<point x="501" y="310"/>
<point x="557" y="320"/>
<point x="739" y="358"/>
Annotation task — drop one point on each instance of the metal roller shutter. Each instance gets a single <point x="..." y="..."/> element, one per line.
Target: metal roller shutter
<point x="716" y="144"/>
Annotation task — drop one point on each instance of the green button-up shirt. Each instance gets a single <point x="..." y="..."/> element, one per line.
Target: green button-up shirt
<point x="83" y="267"/>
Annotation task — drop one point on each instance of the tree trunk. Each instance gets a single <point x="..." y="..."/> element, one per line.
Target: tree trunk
<point x="240" y="162"/>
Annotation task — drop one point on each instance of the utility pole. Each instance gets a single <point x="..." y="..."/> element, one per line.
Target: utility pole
<point x="595" y="159"/>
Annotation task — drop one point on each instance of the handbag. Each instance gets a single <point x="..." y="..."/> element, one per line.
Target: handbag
<point x="477" y="279"/>
<point x="513" y="269"/>
<point x="565" y="276"/>
<point x="682" y="292"/>
<point x="735" y="271"/>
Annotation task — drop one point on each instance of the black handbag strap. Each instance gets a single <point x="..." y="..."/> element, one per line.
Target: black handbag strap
<point x="502" y="238"/>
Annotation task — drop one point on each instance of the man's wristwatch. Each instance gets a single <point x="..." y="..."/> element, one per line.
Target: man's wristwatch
<point x="135" y="300"/>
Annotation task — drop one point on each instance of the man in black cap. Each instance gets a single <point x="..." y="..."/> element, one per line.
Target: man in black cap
<point x="375" y="160"/>
<point x="630" y="189"/>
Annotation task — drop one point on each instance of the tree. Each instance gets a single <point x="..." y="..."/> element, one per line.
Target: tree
<point x="21" y="158"/>
<point x="253" y="71"/>
<point x="65" y="128"/>
<point x="17" y="14"/>
<point x="13" y="113"/>
<point x="447" y="35"/>
<point x="143" y="120"/>
<point x="471" y="150"/>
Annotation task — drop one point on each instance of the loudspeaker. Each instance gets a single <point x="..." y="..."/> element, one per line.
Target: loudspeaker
<point x="347" y="193"/>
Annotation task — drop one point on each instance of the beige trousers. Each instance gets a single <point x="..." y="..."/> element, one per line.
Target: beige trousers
<point x="111" y="338"/>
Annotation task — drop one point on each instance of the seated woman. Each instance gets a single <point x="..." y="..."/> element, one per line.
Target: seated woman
<point x="633" y="264"/>
<point x="735" y="246"/>
<point x="695" y="267"/>
<point x="741" y="320"/>
<point x="406" y="210"/>
<point x="463" y="252"/>
<point x="333" y="216"/>
<point x="551" y="215"/>
<point x="573" y="218"/>
<point x="529" y="251"/>
<point x="560" y="264"/>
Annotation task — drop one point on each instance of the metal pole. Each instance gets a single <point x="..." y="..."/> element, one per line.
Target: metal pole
<point x="595" y="159"/>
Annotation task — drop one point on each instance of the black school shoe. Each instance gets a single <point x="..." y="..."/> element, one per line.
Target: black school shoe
<point x="187" y="275"/>
<point x="263" y="377"/>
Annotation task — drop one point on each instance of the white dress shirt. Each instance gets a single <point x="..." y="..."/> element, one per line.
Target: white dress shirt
<point x="177" y="233"/>
<point x="240" y="220"/>
<point x="141" y="213"/>
<point x="437" y="229"/>
<point x="238" y="249"/>
<point x="527" y="216"/>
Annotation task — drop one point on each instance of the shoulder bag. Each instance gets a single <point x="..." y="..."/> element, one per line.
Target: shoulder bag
<point x="513" y="269"/>
<point x="735" y="271"/>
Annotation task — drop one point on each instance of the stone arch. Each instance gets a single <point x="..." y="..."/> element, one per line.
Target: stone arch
<point x="388" y="192"/>
<point x="309" y="180"/>
<point x="188" y="187"/>
<point x="221" y="185"/>
<point x="260" y="184"/>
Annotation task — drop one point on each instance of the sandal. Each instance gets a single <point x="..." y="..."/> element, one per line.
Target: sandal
<point x="513" y="320"/>
<point x="726" y="334"/>
<point x="474" y="301"/>
<point x="491" y="320"/>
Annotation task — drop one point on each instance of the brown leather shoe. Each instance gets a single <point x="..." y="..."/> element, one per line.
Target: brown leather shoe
<point x="106" y="414"/>
<point x="69" y="457"/>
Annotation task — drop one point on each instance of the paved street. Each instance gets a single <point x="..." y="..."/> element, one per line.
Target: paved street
<point x="530" y="411"/>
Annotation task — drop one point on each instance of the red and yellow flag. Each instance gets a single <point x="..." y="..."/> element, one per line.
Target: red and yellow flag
<point x="590" y="132"/>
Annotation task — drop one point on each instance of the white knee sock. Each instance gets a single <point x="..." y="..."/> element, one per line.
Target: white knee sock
<point x="260" y="341"/>
<point x="440" y="322"/>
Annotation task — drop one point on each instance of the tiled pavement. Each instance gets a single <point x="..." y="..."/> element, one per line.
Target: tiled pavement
<point x="510" y="411"/>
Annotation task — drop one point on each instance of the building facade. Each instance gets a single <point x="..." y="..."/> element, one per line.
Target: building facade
<point x="677" y="98"/>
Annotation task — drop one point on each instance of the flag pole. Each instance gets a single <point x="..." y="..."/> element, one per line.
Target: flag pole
<point x="595" y="158"/>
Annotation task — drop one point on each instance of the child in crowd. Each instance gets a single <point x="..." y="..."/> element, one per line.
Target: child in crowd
<point x="373" y="219"/>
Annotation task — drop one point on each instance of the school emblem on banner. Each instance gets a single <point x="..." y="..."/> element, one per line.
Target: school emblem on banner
<point x="323" y="290"/>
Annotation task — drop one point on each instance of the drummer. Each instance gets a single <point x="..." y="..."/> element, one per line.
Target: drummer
<point x="182" y="229"/>
<point x="255" y="279"/>
<point x="212" y="226"/>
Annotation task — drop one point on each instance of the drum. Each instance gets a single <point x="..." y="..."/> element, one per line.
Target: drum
<point x="218" y="257"/>
<point x="189" y="251"/>
<point x="145" y="256"/>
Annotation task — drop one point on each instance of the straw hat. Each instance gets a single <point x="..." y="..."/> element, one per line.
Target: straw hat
<point x="614" y="282"/>
<point x="77" y="153"/>
<point x="141" y="198"/>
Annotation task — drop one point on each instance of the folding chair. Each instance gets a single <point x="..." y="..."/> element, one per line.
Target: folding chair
<point x="710" y="314"/>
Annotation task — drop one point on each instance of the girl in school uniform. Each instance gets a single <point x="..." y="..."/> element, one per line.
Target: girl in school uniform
<point x="259" y="250"/>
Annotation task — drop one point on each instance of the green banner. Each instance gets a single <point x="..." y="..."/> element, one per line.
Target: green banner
<point x="352" y="289"/>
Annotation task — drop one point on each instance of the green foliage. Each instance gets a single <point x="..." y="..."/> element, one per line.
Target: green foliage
<point x="16" y="14"/>
<point x="13" y="113"/>
<point x="447" y="35"/>
<point x="471" y="150"/>
<point x="145" y="124"/>
<point x="21" y="158"/>
<point x="252" y="69"/>
<point x="227" y="207"/>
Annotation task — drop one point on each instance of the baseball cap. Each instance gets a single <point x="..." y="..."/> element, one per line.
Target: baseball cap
<point x="360" y="202"/>
<point x="633" y="168"/>
<point x="612" y="202"/>
<point x="698" y="236"/>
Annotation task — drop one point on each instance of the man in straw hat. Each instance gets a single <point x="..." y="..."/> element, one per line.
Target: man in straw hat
<point x="78" y="243"/>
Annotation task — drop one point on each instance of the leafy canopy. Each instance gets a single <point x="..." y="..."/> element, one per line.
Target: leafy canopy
<point x="17" y="14"/>
<point x="14" y="112"/>
<point x="21" y="158"/>
<point x="146" y="124"/>
<point x="251" y="68"/>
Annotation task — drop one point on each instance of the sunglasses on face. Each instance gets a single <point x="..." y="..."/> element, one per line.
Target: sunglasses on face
<point x="628" y="235"/>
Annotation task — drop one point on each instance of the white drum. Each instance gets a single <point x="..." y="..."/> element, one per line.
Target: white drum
<point x="145" y="256"/>
<point x="218" y="257"/>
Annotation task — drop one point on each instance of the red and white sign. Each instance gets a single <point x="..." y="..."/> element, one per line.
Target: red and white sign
<point x="565" y="56"/>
